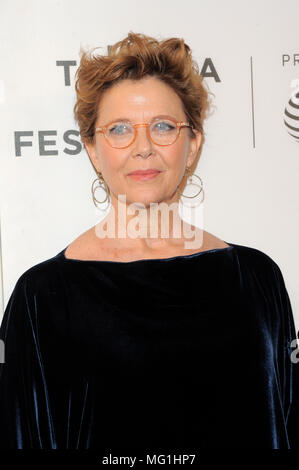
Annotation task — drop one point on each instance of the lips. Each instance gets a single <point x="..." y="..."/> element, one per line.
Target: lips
<point x="144" y="175"/>
<point x="145" y="172"/>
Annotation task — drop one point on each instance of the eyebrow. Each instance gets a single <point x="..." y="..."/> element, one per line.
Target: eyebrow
<point x="165" y="116"/>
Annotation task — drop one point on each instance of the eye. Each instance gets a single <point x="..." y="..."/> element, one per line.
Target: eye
<point x="163" y="126"/>
<point x="120" y="129"/>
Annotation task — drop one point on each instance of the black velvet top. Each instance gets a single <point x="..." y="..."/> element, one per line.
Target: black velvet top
<point x="188" y="351"/>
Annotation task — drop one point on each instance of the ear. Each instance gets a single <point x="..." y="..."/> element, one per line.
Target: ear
<point x="195" y="142"/>
<point x="91" y="150"/>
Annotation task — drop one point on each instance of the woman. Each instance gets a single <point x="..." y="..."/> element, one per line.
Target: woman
<point x="141" y="341"/>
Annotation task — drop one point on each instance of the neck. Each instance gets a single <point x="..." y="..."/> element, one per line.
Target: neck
<point x="151" y="226"/>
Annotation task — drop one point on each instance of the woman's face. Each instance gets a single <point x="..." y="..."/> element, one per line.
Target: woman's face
<point x="141" y="101"/>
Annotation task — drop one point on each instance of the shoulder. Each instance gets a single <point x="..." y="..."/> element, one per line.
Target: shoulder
<point x="258" y="256"/>
<point x="40" y="274"/>
<point x="39" y="281"/>
<point x="261" y="275"/>
<point x="258" y="263"/>
<point x="250" y="258"/>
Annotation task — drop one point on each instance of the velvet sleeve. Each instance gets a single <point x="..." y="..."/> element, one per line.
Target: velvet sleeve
<point x="25" y="416"/>
<point x="289" y="362"/>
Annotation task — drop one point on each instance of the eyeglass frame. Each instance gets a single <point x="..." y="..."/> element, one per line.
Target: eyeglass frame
<point x="179" y="125"/>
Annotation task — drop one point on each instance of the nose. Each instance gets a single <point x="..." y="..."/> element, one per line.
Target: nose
<point x="142" y="144"/>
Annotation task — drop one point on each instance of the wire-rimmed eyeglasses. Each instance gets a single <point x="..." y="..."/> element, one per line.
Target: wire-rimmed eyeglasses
<point x="162" y="131"/>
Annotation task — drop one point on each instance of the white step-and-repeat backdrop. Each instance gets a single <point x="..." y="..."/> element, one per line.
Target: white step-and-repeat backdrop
<point x="248" y="53"/>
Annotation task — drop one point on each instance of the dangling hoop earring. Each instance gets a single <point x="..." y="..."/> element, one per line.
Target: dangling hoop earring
<point x="190" y="179"/>
<point x="101" y="184"/>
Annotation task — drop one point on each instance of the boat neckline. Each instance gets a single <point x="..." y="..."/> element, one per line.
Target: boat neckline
<point x="147" y="260"/>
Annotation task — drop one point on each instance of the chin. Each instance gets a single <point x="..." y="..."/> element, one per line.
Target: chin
<point x="143" y="200"/>
<point x="142" y="203"/>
